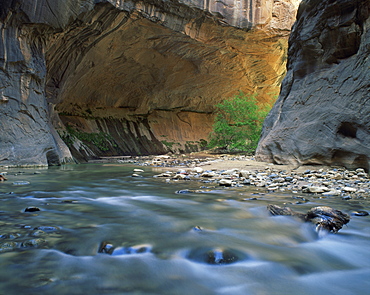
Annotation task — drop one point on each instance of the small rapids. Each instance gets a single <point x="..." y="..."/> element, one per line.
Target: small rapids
<point x="95" y="229"/>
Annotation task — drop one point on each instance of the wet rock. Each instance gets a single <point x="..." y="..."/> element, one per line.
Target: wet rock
<point x="188" y="191"/>
<point x="332" y="193"/>
<point x="216" y="256"/>
<point x="69" y="201"/>
<point x="32" y="209"/>
<point x="325" y="218"/>
<point x="197" y="228"/>
<point x="286" y="211"/>
<point x="48" y="229"/>
<point x="8" y="246"/>
<point x="10" y="236"/>
<point x="138" y="249"/>
<point x="2" y="178"/>
<point x="106" y="248"/>
<point x="37" y="233"/>
<point x="34" y="243"/>
<point x="136" y="175"/>
<point x="360" y="213"/>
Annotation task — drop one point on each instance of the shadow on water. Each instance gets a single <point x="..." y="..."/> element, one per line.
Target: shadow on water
<point x="98" y="230"/>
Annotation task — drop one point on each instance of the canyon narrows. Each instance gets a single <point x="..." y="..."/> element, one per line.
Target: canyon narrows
<point x="133" y="78"/>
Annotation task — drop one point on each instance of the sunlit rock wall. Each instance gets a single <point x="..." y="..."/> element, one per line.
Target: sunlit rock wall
<point x="144" y="74"/>
<point x="323" y="113"/>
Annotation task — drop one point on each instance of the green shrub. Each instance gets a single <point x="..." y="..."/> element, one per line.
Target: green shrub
<point x="238" y="124"/>
<point x="102" y="141"/>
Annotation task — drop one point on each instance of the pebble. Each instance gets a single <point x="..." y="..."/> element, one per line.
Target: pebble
<point x="335" y="182"/>
<point x="315" y="189"/>
<point x="225" y="182"/>
<point x="360" y="213"/>
<point x="349" y="189"/>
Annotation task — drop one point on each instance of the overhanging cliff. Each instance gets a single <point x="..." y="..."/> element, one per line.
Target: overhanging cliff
<point x="129" y="77"/>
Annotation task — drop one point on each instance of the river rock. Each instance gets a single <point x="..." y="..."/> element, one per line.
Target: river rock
<point x="349" y="189"/>
<point x="32" y="209"/>
<point x="8" y="246"/>
<point x="106" y="248"/>
<point x="326" y="218"/>
<point x="360" y="213"/>
<point x="218" y="256"/>
<point x="208" y="174"/>
<point x="137" y="249"/>
<point x="198" y="169"/>
<point x="323" y="217"/>
<point x="315" y="189"/>
<point x="332" y="193"/>
<point x="225" y="182"/>
<point x="34" y="243"/>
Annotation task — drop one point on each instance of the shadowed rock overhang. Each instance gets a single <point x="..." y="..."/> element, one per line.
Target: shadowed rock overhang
<point x="82" y="79"/>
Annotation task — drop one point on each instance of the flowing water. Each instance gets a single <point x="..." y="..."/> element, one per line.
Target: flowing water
<point x="101" y="231"/>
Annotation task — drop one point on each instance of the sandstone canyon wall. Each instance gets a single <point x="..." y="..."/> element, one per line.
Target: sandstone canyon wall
<point x="323" y="113"/>
<point x="129" y="77"/>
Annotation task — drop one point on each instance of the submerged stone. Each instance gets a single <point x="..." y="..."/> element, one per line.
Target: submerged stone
<point x="8" y="246"/>
<point x="32" y="209"/>
<point x="34" y="243"/>
<point x="216" y="256"/>
<point x="360" y="213"/>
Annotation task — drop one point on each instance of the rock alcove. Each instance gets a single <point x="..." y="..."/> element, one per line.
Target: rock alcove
<point x="87" y="78"/>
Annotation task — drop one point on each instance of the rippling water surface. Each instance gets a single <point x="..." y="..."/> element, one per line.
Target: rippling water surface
<point x="154" y="246"/>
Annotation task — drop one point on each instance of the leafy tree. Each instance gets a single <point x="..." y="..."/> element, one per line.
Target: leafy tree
<point x="238" y="124"/>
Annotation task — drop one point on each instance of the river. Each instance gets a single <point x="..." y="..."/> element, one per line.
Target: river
<point x="101" y="231"/>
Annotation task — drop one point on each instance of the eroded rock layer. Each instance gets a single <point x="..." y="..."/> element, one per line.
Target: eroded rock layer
<point x="323" y="113"/>
<point x="129" y="77"/>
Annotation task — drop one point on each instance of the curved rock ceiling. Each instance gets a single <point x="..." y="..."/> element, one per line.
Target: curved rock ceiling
<point x="145" y="75"/>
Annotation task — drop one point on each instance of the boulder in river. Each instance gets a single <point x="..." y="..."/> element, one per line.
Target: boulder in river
<point x="323" y="217"/>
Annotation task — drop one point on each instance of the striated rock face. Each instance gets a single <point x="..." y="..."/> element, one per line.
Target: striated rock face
<point x="323" y="113"/>
<point x="128" y="78"/>
<point x="272" y="14"/>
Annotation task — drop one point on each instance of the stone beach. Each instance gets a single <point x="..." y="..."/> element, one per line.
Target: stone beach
<point x="238" y="171"/>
